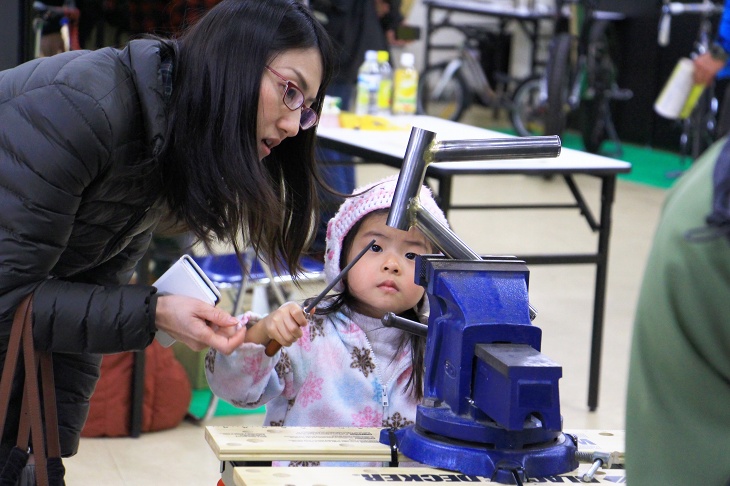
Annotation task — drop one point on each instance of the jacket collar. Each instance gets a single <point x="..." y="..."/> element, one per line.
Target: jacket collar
<point x="144" y="58"/>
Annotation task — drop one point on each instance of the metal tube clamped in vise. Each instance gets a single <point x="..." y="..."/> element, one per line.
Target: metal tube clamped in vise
<point x="496" y="148"/>
<point x="405" y="210"/>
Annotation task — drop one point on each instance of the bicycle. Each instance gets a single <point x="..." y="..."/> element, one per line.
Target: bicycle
<point x="580" y="73"/>
<point x="699" y="128"/>
<point x="447" y="89"/>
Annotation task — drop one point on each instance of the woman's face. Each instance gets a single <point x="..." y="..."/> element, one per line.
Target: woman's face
<point x="275" y="121"/>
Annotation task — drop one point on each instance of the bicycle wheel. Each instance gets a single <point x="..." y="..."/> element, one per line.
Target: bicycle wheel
<point x="528" y="110"/>
<point x="443" y="93"/>
<point x="601" y="73"/>
<point x="558" y="84"/>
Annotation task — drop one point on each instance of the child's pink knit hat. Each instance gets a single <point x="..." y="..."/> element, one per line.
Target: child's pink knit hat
<point x="378" y="195"/>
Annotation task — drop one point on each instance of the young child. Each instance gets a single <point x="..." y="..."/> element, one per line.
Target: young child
<point x="343" y="368"/>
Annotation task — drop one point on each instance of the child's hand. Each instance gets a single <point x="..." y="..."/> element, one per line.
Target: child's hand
<point x="282" y="325"/>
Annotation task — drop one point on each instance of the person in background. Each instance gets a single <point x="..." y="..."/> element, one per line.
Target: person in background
<point x="354" y="27"/>
<point x="677" y="413"/>
<point x="211" y="133"/>
<point x="713" y="65"/>
<point x="343" y="368"/>
<point x="51" y="39"/>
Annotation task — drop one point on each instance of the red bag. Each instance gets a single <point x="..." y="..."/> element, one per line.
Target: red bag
<point x="167" y="394"/>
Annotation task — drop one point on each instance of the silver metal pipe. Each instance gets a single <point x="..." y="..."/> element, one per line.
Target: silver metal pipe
<point x="410" y="179"/>
<point x="496" y="148"/>
<point x="406" y="211"/>
<point x="446" y="240"/>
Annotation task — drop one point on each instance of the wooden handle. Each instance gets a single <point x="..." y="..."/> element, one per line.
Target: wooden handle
<point x="272" y="348"/>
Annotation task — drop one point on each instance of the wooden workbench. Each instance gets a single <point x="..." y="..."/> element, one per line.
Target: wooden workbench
<point x="353" y="476"/>
<point x="238" y="447"/>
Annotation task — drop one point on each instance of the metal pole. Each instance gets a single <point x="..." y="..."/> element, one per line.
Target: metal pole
<point x="496" y="148"/>
<point x="410" y="179"/>
<point x="445" y="239"/>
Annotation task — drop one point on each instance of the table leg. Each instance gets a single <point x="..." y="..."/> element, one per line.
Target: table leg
<point x="608" y="188"/>
<point x="427" y="37"/>
<point x="137" y="397"/>
<point x="443" y="195"/>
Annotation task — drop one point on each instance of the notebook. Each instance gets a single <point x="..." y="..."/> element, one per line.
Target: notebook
<point x="185" y="277"/>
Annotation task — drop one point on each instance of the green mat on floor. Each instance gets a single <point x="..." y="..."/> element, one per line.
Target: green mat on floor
<point x="652" y="167"/>
<point x="201" y="398"/>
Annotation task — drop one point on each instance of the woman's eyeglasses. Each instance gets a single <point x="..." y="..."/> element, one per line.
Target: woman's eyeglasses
<point x="294" y="100"/>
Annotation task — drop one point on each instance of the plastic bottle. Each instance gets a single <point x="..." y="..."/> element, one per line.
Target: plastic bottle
<point x="385" y="93"/>
<point x="679" y="95"/>
<point x="405" y="86"/>
<point x="330" y="116"/>
<point x="368" y="85"/>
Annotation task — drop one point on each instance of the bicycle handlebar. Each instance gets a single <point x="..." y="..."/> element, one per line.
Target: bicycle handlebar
<point x="670" y="9"/>
<point x="677" y="8"/>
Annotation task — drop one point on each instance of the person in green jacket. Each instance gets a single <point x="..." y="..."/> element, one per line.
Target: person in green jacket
<point x="678" y="401"/>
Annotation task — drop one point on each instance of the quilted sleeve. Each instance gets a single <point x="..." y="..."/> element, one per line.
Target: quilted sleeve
<point x="55" y="140"/>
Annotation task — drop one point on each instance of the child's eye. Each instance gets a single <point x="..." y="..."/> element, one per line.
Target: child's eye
<point x="376" y="248"/>
<point x="411" y="256"/>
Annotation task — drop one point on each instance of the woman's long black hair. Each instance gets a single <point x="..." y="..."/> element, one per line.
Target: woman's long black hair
<point x="214" y="182"/>
<point x="345" y="299"/>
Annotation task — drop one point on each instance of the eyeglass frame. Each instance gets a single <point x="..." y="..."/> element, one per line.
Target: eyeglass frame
<point x="305" y="109"/>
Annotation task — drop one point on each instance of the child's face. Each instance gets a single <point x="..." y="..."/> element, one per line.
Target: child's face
<point x="382" y="280"/>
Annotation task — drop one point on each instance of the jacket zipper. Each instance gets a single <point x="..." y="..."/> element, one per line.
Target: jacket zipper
<point x="384" y="391"/>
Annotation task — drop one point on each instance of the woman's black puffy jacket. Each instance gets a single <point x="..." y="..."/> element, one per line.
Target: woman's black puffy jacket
<point x="72" y="223"/>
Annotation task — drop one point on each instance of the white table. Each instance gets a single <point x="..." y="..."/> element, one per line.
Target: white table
<point x="389" y="147"/>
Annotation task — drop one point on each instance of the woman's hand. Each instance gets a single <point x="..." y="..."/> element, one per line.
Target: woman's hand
<point x="197" y="324"/>
<point x="282" y="325"/>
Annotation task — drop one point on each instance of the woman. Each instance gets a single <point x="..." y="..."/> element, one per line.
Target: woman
<point x="99" y="149"/>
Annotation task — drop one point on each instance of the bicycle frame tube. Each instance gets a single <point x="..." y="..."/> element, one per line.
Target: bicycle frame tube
<point x="576" y="90"/>
<point x="474" y="75"/>
<point x="451" y="68"/>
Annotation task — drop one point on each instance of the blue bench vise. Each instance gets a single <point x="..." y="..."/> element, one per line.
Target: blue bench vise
<point x="491" y="403"/>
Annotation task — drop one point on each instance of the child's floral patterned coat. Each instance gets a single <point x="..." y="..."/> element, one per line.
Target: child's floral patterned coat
<point x="330" y="377"/>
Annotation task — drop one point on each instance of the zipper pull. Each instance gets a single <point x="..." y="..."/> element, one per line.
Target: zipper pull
<point x="385" y="396"/>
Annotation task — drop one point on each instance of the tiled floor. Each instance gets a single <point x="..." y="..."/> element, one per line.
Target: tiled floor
<point x="562" y="294"/>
